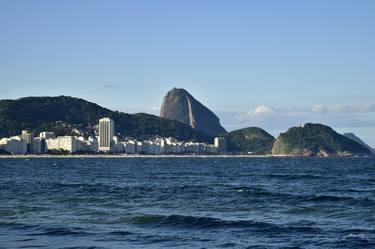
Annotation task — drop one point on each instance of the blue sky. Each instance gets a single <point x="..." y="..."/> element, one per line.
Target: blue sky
<point x="265" y="63"/>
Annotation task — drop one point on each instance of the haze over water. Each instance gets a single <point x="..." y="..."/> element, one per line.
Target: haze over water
<point x="187" y="202"/>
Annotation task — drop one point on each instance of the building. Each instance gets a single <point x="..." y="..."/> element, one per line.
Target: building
<point x="47" y="134"/>
<point x="118" y="147"/>
<point x="28" y="138"/>
<point x="106" y="130"/>
<point x="82" y="145"/>
<point x="66" y="143"/>
<point x="210" y="149"/>
<point x="14" y="145"/>
<point x="38" y="145"/>
<point x="221" y="144"/>
<point x="130" y="147"/>
<point x="93" y="143"/>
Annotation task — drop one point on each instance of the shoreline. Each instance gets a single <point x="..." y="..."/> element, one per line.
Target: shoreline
<point x="166" y="156"/>
<point x="129" y="156"/>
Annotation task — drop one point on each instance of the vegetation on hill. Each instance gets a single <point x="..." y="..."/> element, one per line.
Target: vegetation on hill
<point x="315" y="139"/>
<point x="252" y="140"/>
<point x="67" y="115"/>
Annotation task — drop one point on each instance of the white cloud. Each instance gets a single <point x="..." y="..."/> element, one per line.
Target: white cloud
<point x="318" y="109"/>
<point x="263" y="109"/>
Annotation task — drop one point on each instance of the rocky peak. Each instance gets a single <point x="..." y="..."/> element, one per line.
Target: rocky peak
<point x="180" y="105"/>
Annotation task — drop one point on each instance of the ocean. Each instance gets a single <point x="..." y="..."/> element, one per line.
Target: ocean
<point x="187" y="202"/>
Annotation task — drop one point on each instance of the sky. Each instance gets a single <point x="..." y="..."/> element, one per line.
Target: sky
<point x="272" y="64"/>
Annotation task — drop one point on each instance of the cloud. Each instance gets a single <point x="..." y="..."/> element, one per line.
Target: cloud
<point x="318" y="109"/>
<point x="263" y="109"/>
<point x="344" y="109"/>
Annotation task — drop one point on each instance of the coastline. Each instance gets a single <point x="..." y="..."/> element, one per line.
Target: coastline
<point x="165" y="156"/>
<point x="131" y="156"/>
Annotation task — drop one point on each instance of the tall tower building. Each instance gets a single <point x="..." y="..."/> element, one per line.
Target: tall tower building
<point x="106" y="129"/>
<point x="28" y="137"/>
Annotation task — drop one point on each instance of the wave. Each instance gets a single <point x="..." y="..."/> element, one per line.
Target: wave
<point x="296" y="176"/>
<point x="121" y="233"/>
<point x="335" y="198"/>
<point x="59" y="231"/>
<point x="199" y="222"/>
<point x="83" y="247"/>
<point x="264" y="193"/>
<point x="15" y="225"/>
<point x="40" y="230"/>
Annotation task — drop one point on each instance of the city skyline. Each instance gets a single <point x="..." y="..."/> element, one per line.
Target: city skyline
<point x="266" y="64"/>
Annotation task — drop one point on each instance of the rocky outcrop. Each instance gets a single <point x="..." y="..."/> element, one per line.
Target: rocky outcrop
<point x="179" y="105"/>
<point x="316" y="140"/>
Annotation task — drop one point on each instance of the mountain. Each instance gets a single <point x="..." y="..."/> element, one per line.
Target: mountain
<point x="179" y="105"/>
<point x="64" y="115"/>
<point x="252" y="140"/>
<point x="316" y="140"/>
<point x="353" y="137"/>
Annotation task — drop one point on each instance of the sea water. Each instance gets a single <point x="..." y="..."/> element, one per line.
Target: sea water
<point x="187" y="202"/>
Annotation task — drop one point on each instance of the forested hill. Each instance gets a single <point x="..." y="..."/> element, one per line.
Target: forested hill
<point x="65" y="114"/>
<point x="316" y="139"/>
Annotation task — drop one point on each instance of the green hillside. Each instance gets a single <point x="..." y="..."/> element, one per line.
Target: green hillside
<point x="65" y="114"/>
<point x="315" y="139"/>
<point x="250" y="140"/>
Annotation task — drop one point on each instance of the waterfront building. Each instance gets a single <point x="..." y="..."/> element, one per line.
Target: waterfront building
<point x="93" y="144"/>
<point x="210" y="149"/>
<point x="152" y="148"/>
<point x="130" y="147"/>
<point x="106" y="130"/>
<point x="141" y="147"/>
<point x="118" y="147"/>
<point x="82" y="145"/>
<point x="28" y="137"/>
<point x="14" y="145"/>
<point x="38" y="145"/>
<point x="65" y="143"/>
<point x="220" y="144"/>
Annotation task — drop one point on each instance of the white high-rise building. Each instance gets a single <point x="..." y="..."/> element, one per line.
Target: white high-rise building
<point x="28" y="137"/>
<point x="106" y="130"/>
<point x="221" y="144"/>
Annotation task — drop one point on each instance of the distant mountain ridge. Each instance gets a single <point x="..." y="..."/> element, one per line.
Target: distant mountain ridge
<point x="63" y="114"/>
<point x="180" y="105"/>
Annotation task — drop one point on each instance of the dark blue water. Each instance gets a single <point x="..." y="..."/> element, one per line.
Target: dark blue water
<point x="187" y="203"/>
